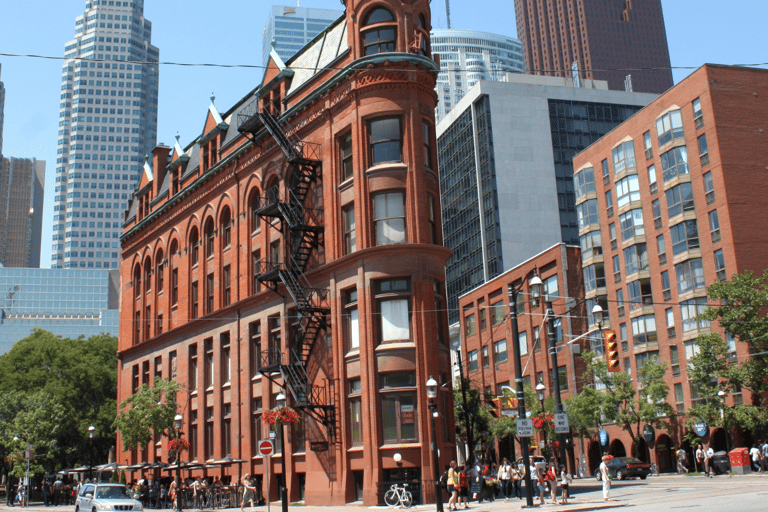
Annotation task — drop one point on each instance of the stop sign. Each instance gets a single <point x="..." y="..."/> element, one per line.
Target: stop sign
<point x="266" y="448"/>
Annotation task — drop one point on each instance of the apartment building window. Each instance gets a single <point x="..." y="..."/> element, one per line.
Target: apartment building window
<point x="690" y="275"/>
<point x="398" y="407"/>
<point x="209" y="234"/>
<point x="586" y="213"/>
<point x="665" y="286"/>
<point x="635" y="259"/>
<point x="679" y="398"/>
<point x="382" y="35"/>
<point x="680" y="199"/>
<point x="226" y="278"/>
<point x="623" y="337"/>
<point x="254" y="332"/>
<point x="612" y="235"/>
<point x="275" y="341"/>
<point x="594" y="277"/>
<point x="703" y="149"/>
<point x="354" y="398"/>
<point x="208" y="437"/>
<point x="720" y="265"/>
<point x="606" y="172"/>
<point x="351" y="322"/>
<point x="670" y="315"/>
<point x="472" y="361"/>
<point x="226" y="229"/>
<point x="426" y="139"/>
<point x="500" y="351"/>
<point x="652" y="179"/>
<point x="256" y="264"/>
<point x="627" y="190"/>
<point x="669" y="127"/>
<point x="591" y="245"/>
<point x="648" y="145"/>
<point x="194" y="300"/>
<point x="642" y="359"/>
<point x="175" y="287"/>
<point x="208" y="369"/>
<point x="486" y="357"/>
<point x="689" y="311"/>
<point x="226" y="430"/>
<point x="644" y="330"/>
<point x="584" y="182"/>
<point x="386" y="140"/>
<point x="609" y="203"/>
<point x="619" y="301"/>
<point x="393" y="308"/>
<point x="481" y="314"/>
<point x="350" y="240"/>
<point x="522" y="341"/>
<point x="709" y="187"/>
<point x="632" y="224"/>
<point x="662" y="250"/>
<point x="193" y="368"/>
<point x="698" y="118"/>
<point x="389" y="218"/>
<point x="685" y="237"/>
<point x="193" y="446"/>
<point x="550" y="290"/>
<point x="623" y="156"/>
<point x="194" y="248"/>
<point x="209" y="293"/>
<point x="225" y="359"/>
<point x="345" y="156"/>
<point x="639" y="293"/>
<point x="656" y="209"/>
<point x="714" y="226"/>
<point x="674" y="163"/>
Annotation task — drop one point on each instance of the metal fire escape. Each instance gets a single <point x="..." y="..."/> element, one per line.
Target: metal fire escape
<point x="302" y="229"/>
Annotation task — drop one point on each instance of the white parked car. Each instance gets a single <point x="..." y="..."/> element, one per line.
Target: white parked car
<point x="97" y="497"/>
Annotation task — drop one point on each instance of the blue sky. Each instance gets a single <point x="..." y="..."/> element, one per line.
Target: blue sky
<point x="229" y="32"/>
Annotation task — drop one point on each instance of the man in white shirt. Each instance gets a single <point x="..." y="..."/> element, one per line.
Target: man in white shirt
<point x="699" y="458"/>
<point x="709" y="459"/>
<point x="754" y="453"/>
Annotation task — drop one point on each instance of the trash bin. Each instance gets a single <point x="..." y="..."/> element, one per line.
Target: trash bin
<point x="721" y="463"/>
<point x="740" y="464"/>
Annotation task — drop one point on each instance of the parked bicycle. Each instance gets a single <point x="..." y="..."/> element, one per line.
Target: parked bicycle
<point x="398" y="496"/>
<point x="654" y="469"/>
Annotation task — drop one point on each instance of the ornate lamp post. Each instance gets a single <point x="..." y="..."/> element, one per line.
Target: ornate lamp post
<point x="432" y="396"/>
<point x="540" y="387"/>
<point x="280" y="401"/>
<point x="178" y="421"/>
<point x="91" y="433"/>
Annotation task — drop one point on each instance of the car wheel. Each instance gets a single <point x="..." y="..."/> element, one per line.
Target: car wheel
<point x="619" y="475"/>
<point x="77" y="508"/>
<point x="643" y="477"/>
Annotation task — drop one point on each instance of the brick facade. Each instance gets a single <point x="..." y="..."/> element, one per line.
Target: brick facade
<point x="211" y="294"/>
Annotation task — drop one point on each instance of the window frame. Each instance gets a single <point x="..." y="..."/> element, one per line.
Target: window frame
<point x="373" y="145"/>
<point x="390" y="217"/>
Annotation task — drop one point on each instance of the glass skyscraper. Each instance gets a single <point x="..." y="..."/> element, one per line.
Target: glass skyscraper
<point x="107" y="123"/>
<point x="66" y="302"/>
<point x="293" y="27"/>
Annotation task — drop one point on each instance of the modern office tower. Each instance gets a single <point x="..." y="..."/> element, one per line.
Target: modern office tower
<point x="468" y="56"/>
<point x="294" y="248"/>
<point x="597" y="39"/>
<point x="670" y="202"/>
<point x="506" y="175"/>
<point x="2" y="110"/>
<point x="22" y="182"/>
<point x="290" y="28"/>
<point x="66" y="302"/>
<point x="107" y="124"/>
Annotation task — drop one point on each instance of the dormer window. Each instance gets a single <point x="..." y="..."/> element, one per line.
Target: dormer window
<point x="380" y="32"/>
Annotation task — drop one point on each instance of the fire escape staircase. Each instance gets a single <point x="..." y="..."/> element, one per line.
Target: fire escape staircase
<point x="304" y="230"/>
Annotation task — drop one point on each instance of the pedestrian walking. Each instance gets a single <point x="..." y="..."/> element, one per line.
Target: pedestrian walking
<point x="463" y="487"/>
<point x="248" y="489"/>
<point x="517" y="476"/>
<point x="754" y="454"/>
<point x="681" y="461"/>
<point x="605" y="476"/>
<point x="174" y="494"/>
<point x="565" y="485"/>
<point x="451" y="481"/>
<point x="708" y="459"/>
<point x="551" y="478"/>
<point x="505" y="478"/>
<point x="700" y="458"/>
<point x="46" y="488"/>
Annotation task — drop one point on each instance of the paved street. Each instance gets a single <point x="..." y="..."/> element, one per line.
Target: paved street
<point x="720" y="494"/>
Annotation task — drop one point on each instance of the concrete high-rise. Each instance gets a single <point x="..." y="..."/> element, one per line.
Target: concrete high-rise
<point x="107" y="123"/>
<point x="290" y="28"/>
<point x="21" y="211"/>
<point x="607" y="40"/>
<point x="2" y="108"/>
<point x="468" y="56"/>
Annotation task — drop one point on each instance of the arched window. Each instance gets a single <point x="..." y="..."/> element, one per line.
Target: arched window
<point x="172" y="255"/>
<point x="159" y="271"/>
<point x="380" y="32"/>
<point x="209" y="238"/>
<point x="137" y="281"/>
<point x="226" y="228"/>
<point x="423" y="36"/>
<point x="194" y="247"/>
<point x="254" y="203"/>
<point x="147" y="274"/>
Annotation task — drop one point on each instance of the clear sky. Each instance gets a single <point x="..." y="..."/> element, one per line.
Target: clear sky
<point x="230" y="32"/>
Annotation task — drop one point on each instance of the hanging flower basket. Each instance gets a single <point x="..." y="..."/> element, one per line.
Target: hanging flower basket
<point x="543" y="420"/>
<point x="280" y="415"/>
<point x="178" y="445"/>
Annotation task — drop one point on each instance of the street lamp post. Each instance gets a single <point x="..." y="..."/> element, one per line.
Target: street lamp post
<point x="91" y="433"/>
<point x="178" y="421"/>
<point x="432" y="396"/>
<point x="540" y="387"/>
<point x="27" y="455"/>
<point x="555" y="373"/>
<point x="535" y="286"/>
<point x="721" y="395"/>
<point x="281" y="401"/>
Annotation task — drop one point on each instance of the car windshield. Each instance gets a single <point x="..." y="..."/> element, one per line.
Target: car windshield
<point x="630" y="460"/>
<point x="112" y="492"/>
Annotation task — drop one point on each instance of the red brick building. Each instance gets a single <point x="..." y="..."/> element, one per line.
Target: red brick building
<point x="669" y="202"/>
<point x="607" y="39"/>
<point x="294" y="246"/>
<point x="487" y="336"/>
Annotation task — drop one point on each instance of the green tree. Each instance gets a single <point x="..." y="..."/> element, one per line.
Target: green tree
<point x="30" y="419"/>
<point x="632" y="406"/>
<point x="149" y="410"/>
<point x="82" y="375"/>
<point x="474" y="410"/>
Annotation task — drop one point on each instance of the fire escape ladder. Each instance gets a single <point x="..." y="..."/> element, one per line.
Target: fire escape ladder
<point x="287" y="144"/>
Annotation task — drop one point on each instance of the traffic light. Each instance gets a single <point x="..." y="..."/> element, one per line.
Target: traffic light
<point x="611" y="351"/>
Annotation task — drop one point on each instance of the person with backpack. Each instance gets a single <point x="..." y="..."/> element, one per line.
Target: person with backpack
<point x="451" y="481"/>
<point x="463" y="487"/>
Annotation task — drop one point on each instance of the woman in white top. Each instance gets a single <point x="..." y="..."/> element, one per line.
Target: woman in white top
<point x="605" y="477"/>
<point x="565" y="482"/>
<point x="505" y="478"/>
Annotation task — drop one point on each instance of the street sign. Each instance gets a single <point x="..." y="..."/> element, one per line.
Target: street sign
<point x="524" y="427"/>
<point x="561" y="423"/>
<point x="604" y="437"/>
<point x="266" y="448"/>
